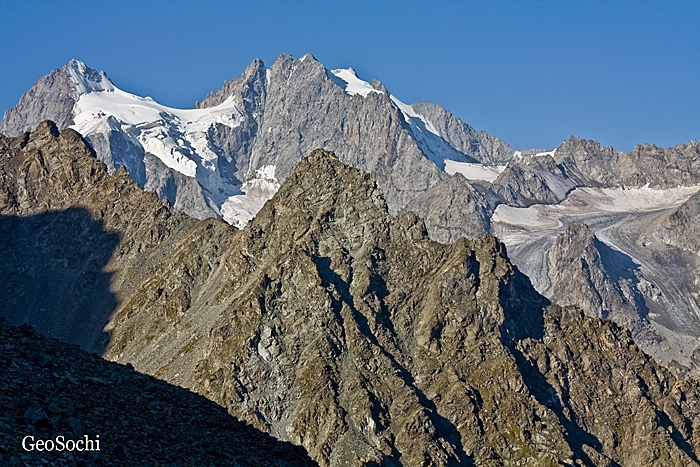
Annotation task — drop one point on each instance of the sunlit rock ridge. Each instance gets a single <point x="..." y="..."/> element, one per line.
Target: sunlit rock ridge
<point x="229" y="154"/>
<point x="326" y="322"/>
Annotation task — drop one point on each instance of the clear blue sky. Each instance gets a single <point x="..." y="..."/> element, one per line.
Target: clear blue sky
<point x="529" y="72"/>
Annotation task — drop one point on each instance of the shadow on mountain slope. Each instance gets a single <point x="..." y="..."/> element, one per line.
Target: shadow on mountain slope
<point x="54" y="278"/>
<point x="50" y="389"/>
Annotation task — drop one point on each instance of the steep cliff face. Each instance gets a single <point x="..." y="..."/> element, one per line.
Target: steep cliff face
<point x="331" y="324"/>
<point x="454" y="208"/>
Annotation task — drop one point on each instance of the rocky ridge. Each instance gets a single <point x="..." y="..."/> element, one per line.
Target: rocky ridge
<point x="587" y="273"/>
<point x="646" y="164"/>
<point x="331" y="324"/>
<point x="262" y="123"/>
<point x="75" y="239"/>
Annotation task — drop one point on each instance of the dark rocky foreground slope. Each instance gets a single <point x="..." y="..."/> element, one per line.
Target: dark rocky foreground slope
<point x="331" y="324"/>
<point x="49" y="389"/>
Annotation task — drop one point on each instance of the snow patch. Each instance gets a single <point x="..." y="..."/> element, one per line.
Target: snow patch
<point x="353" y="84"/>
<point x="428" y="138"/>
<point x="474" y="171"/>
<point x="409" y="114"/>
<point x="526" y="218"/>
<point x="239" y="209"/>
<point x="546" y="153"/>
<point x="587" y="201"/>
<point x="178" y="137"/>
<point x="627" y="199"/>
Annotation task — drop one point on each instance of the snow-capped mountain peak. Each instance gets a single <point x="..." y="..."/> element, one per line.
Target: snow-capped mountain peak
<point x="228" y="155"/>
<point x="86" y="79"/>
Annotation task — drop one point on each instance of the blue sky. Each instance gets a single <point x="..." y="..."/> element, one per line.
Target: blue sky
<point x="529" y="72"/>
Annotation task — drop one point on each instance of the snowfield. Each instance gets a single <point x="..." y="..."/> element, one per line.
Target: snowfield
<point x="353" y="84"/>
<point x="586" y="201"/>
<point x="474" y="171"/>
<point x="145" y="122"/>
<point x="177" y="137"/>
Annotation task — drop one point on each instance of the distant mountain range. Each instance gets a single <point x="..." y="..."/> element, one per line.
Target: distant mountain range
<point x="229" y="154"/>
<point x="326" y="322"/>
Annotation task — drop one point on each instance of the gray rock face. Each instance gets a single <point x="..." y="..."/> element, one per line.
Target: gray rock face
<point x="452" y="209"/>
<point x="681" y="228"/>
<point x="590" y="275"/>
<point x="645" y="164"/>
<point x="481" y="146"/>
<point x="53" y="97"/>
<point x="305" y="110"/>
<point x="531" y="180"/>
<point x="605" y="282"/>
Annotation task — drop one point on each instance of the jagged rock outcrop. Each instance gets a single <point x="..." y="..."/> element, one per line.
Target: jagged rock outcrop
<point x="681" y="228"/>
<point x="587" y="273"/>
<point x="578" y="272"/>
<point x="331" y="324"/>
<point x="452" y="209"/>
<point x="646" y="164"/>
<point x="49" y="389"/>
<point x="533" y="179"/>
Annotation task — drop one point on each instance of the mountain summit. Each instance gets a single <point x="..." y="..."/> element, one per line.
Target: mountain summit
<point x="228" y="155"/>
<point x="332" y="324"/>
